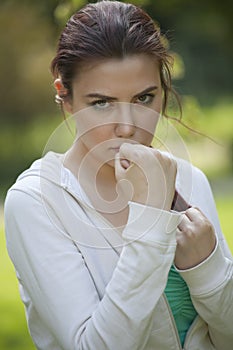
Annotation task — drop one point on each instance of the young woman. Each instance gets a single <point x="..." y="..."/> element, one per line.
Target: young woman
<point x="114" y="246"/>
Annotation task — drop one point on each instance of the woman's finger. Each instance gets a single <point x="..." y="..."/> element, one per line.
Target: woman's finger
<point x="185" y="222"/>
<point x="194" y="214"/>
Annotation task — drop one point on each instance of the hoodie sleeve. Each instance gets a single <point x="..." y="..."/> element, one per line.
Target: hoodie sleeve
<point x="63" y="305"/>
<point x="211" y="282"/>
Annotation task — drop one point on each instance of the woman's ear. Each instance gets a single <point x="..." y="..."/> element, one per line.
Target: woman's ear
<point x="62" y="95"/>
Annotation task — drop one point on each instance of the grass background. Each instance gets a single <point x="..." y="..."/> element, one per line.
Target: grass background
<point x="13" y="329"/>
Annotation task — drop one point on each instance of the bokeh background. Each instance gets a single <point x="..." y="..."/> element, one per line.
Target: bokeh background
<point x="199" y="35"/>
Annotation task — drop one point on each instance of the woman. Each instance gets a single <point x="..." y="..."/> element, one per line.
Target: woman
<point x="108" y="254"/>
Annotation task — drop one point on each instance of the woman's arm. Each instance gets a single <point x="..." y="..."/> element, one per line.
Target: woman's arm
<point x="55" y="275"/>
<point x="211" y="288"/>
<point x="211" y="281"/>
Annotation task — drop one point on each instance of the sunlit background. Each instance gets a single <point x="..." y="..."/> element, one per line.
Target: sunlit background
<point x="200" y="39"/>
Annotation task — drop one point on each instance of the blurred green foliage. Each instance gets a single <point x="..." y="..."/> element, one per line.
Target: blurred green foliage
<point x="200" y="33"/>
<point x="13" y="330"/>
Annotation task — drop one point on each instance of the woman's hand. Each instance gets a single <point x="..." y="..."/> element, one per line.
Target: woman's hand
<point x="195" y="239"/>
<point x="150" y="174"/>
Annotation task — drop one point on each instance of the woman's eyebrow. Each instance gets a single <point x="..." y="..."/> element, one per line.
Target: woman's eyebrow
<point x="105" y="97"/>
<point x="149" y="89"/>
<point x="100" y="96"/>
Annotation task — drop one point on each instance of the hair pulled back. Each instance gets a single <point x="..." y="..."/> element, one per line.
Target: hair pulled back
<point x="110" y="29"/>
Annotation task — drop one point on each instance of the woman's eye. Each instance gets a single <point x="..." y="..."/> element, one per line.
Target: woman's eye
<point x="100" y="104"/>
<point x="145" y="99"/>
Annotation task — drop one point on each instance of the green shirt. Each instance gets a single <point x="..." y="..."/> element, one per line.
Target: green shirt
<point x="178" y="296"/>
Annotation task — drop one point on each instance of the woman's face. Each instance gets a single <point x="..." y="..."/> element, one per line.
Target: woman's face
<point x="116" y="101"/>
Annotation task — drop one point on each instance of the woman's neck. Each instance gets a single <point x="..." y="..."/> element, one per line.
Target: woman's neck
<point x="99" y="183"/>
<point x="87" y="168"/>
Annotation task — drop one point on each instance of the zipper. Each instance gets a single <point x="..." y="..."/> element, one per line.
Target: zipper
<point x="110" y="225"/>
<point x="193" y="325"/>
<point x="173" y="320"/>
<point x="83" y="205"/>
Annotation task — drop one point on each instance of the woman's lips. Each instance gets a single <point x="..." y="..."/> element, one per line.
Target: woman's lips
<point x="117" y="149"/>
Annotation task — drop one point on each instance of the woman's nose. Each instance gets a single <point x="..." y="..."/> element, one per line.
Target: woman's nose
<point x="125" y="124"/>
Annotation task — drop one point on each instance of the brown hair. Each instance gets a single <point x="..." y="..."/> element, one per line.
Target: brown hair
<point x="109" y="29"/>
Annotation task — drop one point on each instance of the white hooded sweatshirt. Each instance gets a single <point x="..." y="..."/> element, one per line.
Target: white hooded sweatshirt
<point x="86" y="286"/>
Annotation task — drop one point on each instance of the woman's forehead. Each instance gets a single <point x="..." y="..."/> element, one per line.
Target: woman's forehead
<point x="117" y="70"/>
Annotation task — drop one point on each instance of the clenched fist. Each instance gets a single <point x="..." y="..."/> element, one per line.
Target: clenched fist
<point x="195" y="239"/>
<point x="150" y="174"/>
